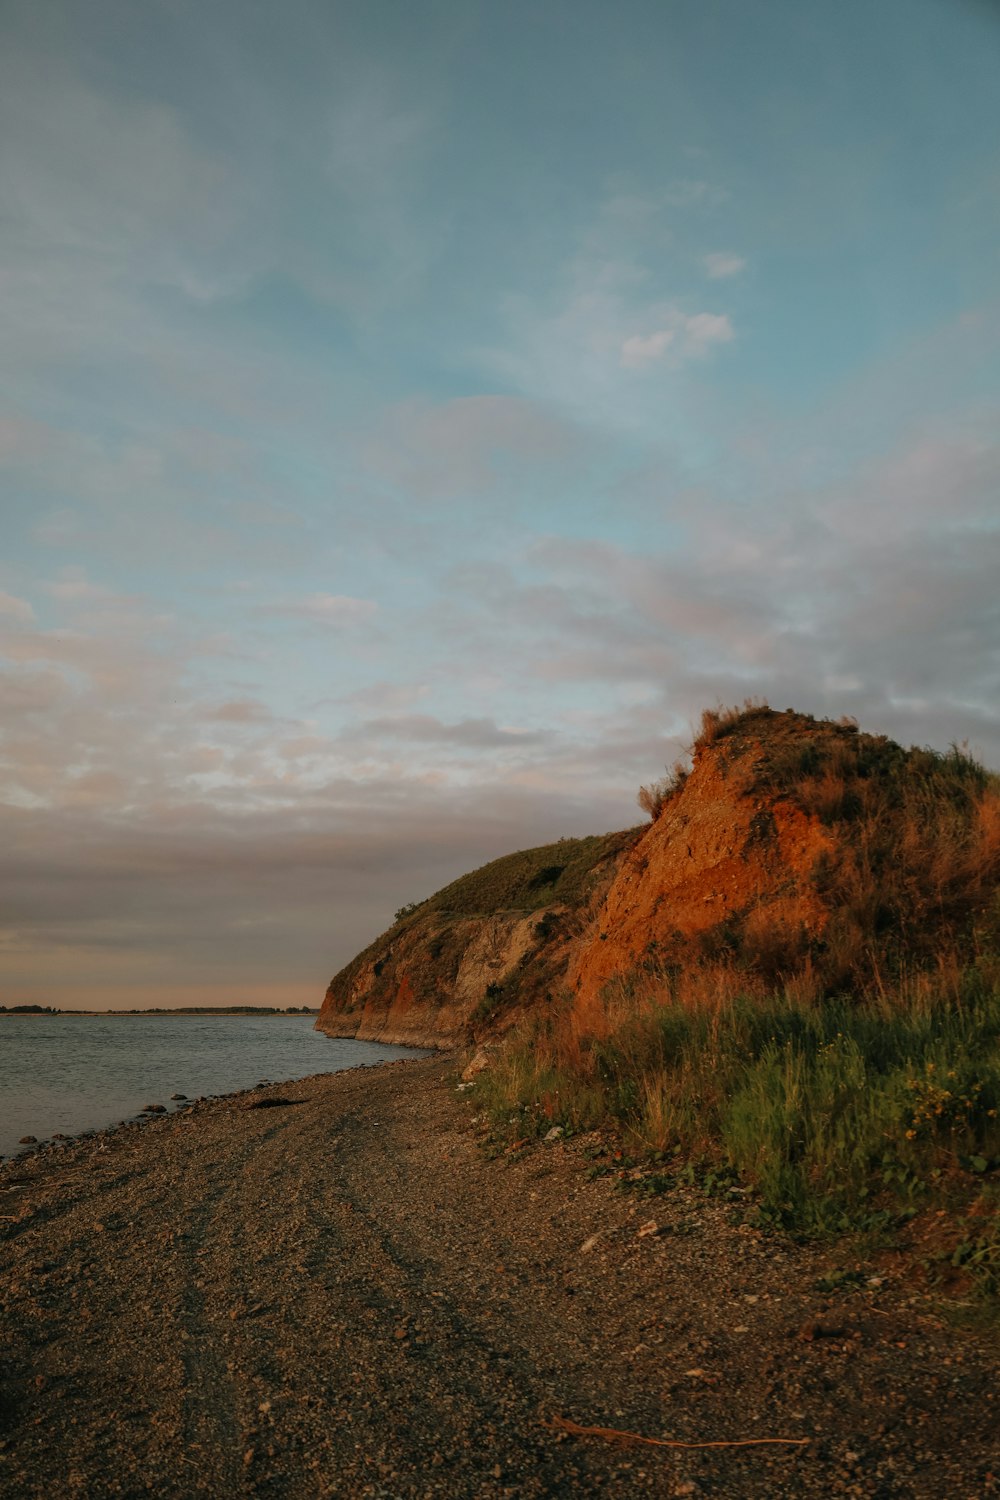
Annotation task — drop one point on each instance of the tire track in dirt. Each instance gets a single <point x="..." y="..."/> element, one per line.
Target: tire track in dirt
<point x="209" y="1420"/>
<point x="47" y="1207"/>
<point x="454" y="1377"/>
<point x="349" y="1301"/>
<point x="219" y="1250"/>
<point x="338" y="1305"/>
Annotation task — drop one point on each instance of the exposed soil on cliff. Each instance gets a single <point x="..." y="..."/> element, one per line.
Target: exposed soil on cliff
<point x="794" y="851"/>
<point x="341" y="1295"/>
<point x="480" y="952"/>
<point x="724" y="847"/>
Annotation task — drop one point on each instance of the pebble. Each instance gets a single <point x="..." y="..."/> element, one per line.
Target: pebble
<point x="399" y="1257"/>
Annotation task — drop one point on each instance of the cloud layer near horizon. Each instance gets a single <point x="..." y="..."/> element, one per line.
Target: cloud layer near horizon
<point x="380" y="495"/>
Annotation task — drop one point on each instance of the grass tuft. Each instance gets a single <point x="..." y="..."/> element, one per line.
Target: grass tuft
<point x="842" y="1116"/>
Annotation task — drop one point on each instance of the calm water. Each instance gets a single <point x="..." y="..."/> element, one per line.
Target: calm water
<point x="73" y="1073"/>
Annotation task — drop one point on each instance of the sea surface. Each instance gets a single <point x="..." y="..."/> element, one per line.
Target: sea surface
<point x="72" y="1073"/>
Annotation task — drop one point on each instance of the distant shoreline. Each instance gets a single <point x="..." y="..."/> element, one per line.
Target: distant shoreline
<point x="221" y="1010"/>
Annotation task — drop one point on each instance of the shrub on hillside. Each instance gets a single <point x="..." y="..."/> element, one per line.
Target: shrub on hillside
<point x="720" y="721"/>
<point x="654" y="798"/>
<point x="839" y="1115"/>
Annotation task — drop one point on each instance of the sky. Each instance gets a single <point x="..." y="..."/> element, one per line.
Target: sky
<point x="413" y="416"/>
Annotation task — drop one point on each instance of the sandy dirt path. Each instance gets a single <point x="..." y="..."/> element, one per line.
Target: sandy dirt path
<point x="342" y="1296"/>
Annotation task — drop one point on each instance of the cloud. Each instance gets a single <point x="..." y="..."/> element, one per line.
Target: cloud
<point x="689" y="336"/>
<point x="705" y="329"/>
<point x="240" y="711"/>
<point x="75" y="588"/>
<point x="209" y="899"/>
<point x="472" y="734"/>
<point x="30" y="691"/>
<point x="640" y="350"/>
<point x="720" y="266"/>
<point x="689" y="192"/>
<point x="382" y="697"/>
<point x="615" y="307"/>
<point x="449" y="450"/>
<point x="336" y="610"/>
<point x="203" y="505"/>
<point x="12" y="608"/>
<point x="113" y="198"/>
<point x="195" y="287"/>
<point x="148" y="839"/>
<point x="304" y="747"/>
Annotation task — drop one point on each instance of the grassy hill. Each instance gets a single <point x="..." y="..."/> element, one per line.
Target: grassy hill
<point x="841" y="1072"/>
<point x="528" y="879"/>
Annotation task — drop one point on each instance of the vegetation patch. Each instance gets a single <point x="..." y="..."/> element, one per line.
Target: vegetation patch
<point x="909" y="878"/>
<point x="838" y="1116"/>
<point x="561" y="873"/>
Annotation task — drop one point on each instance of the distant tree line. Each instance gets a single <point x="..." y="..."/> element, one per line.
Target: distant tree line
<point x="175" y="1010"/>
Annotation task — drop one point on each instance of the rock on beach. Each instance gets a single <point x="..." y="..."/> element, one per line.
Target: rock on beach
<point x="354" y="1297"/>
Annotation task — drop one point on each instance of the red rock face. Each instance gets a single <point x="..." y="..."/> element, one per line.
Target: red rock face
<point x="719" y="851"/>
<point x="438" y="977"/>
<point x="774" y="857"/>
<point x="429" y="983"/>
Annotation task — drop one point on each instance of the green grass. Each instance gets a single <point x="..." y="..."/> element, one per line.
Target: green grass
<point x="841" y="1116"/>
<point x="531" y="878"/>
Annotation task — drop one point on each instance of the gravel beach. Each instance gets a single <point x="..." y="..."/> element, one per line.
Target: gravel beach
<point x="328" y="1288"/>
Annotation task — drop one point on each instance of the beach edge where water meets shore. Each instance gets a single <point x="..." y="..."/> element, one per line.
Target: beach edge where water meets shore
<point x="341" y="1294"/>
<point x="63" y="1075"/>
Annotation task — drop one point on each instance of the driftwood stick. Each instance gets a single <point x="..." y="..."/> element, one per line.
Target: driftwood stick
<point x="615" y="1435"/>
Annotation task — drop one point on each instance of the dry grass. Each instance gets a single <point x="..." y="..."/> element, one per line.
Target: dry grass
<point x="914" y="868"/>
<point x="840" y="1114"/>
<point x="850" y="1077"/>
<point x="717" y="722"/>
<point x="655" y="797"/>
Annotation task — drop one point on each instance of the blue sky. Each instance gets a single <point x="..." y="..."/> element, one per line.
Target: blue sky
<point x="411" y="417"/>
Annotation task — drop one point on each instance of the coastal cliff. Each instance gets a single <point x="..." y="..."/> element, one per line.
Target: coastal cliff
<point x="466" y="961"/>
<point x="790" y="849"/>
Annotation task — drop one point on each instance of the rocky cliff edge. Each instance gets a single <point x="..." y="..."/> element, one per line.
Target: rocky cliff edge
<point x="791" y="847"/>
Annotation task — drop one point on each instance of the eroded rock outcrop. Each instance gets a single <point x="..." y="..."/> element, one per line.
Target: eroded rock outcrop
<point x="730" y="860"/>
<point x="792" y="849"/>
<point x="472" y="957"/>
